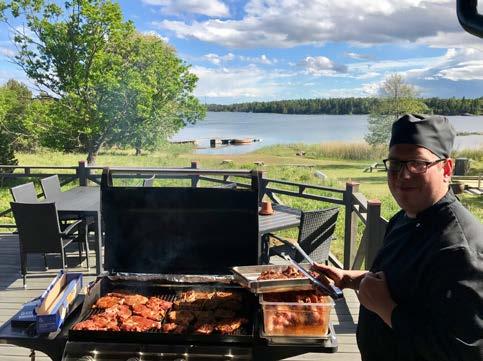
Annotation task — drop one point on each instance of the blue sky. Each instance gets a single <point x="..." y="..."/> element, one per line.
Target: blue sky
<point x="262" y="50"/>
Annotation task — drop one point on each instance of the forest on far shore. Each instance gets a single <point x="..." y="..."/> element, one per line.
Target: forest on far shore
<point x="339" y="106"/>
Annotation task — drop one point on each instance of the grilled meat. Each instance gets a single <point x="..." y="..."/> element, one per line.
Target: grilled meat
<point x="224" y="313"/>
<point x="231" y="325"/>
<point x="139" y="324"/>
<point x="133" y="300"/>
<point x="156" y="303"/>
<point x="204" y="328"/>
<point x="120" y="312"/>
<point x="181" y="317"/>
<point x="129" y="298"/>
<point x="228" y="295"/>
<point x="195" y="295"/>
<point x="98" y="323"/>
<point x="174" y="328"/>
<point x="143" y="310"/>
<point x="108" y="301"/>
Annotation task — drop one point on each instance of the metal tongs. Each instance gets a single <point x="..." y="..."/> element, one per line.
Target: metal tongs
<point x="333" y="291"/>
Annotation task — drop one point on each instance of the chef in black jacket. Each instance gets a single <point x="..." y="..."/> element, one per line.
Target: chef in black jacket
<point x="423" y="296"/>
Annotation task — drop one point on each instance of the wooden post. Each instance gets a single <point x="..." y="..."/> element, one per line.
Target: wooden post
<point x="195" y="179"/>
<point x="350" y="228"/>
<point x="375" y="231"/>
<point x="82" y="173"/>
<point x="261" y="184"/>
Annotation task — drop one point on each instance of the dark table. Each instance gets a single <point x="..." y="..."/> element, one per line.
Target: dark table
<point x="283" y="217"/>
<point x="86" y="203"/>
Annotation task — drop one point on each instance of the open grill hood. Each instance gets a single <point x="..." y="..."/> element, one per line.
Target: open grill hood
<point x="178" y="230"/>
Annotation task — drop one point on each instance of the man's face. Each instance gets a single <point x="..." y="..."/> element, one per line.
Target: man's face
<point x="416" y="192"/>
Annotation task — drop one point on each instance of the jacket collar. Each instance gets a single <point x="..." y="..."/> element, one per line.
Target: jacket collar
<point x="443" y="202"/>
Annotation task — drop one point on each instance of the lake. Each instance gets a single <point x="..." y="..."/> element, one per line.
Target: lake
<point x="292" y="128"/>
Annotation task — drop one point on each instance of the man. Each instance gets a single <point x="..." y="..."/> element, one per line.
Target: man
<point x="423" y="296"/>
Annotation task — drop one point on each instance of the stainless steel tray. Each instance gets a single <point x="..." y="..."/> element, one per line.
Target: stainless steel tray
<point x="247" y="276"/>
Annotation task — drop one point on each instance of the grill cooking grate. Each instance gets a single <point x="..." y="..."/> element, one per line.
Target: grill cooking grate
<point x="172" y="296"/>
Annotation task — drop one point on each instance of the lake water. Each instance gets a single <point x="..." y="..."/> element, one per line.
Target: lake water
<point x="290" y="128"/>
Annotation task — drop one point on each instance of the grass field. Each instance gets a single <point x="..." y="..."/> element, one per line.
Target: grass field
<point x="338" y="162"/>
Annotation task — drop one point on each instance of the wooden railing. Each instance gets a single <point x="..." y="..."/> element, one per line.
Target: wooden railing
<point x="357" y="207"/>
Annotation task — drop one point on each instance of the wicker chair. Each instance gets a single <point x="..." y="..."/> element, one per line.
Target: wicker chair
<point x="39" y="232"/>
<point x="315" y="236"/>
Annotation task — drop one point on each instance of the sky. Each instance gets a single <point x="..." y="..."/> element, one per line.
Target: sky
<point x="263" y="50"/>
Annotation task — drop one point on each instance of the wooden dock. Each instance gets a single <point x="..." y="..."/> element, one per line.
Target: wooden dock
<point x="13" y="295"/>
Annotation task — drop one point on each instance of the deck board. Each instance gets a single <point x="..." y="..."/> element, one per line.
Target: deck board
<point x="13" y="295"/>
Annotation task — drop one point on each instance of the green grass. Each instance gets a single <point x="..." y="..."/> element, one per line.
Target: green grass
<point x="340" y="163"/>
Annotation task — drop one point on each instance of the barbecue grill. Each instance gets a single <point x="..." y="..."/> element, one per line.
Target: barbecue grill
<point x="164" y="241"/>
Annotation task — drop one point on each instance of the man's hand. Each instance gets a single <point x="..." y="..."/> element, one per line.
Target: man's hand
<point x="342" y="278"/>
<point x="374" y="295"/>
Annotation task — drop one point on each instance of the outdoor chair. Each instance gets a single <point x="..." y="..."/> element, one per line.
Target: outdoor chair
<point x="315" y="235"/>
<point x="24" y="193"/>
<point x="39" y="232"/>
<point x="148" y="182"/>
<point x="51" y="189"/>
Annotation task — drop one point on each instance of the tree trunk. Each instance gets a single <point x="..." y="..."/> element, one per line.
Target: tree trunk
<point x="91" y="157"/>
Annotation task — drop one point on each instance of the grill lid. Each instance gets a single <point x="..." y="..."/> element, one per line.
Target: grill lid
<point x="178" y="230"/>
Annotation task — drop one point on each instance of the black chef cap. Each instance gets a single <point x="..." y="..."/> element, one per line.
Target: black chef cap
<point x="434" y="133"/>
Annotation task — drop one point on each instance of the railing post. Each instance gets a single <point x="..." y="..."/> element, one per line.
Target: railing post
<point x="350" y="228"/>
<point x="82" y="173"/>
<point x="375" y="231"/>
<point x="262" y="184"/>
<point x="195" y="178"/>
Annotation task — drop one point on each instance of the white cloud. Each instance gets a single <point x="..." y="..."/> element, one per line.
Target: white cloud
<point x="289" y="23"/>
<point x="262" y="59"/>
<point x="6" y="52"/>
<point x="249" y="82"/>
<point x="456" y="65"/>
<point x="322" y="66"/>
<point x="156" y="34"/>
<point x="217" y="59"/>
<point x="358" y="56"/>
<point x="203" y="7"/>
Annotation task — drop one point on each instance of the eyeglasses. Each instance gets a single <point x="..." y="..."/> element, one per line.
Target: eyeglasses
<point x="413" y="166"/>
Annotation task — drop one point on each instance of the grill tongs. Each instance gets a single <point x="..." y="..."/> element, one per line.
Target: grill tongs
<point x="333" y="291"/>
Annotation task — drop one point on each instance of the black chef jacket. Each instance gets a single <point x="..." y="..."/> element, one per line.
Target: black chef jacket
<point x="434" y="270"/>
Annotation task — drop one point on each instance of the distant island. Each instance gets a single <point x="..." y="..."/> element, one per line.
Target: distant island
<point x="341" y="106"/>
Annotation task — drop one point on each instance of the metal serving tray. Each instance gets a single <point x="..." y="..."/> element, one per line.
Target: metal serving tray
<point x="247" y="276"/>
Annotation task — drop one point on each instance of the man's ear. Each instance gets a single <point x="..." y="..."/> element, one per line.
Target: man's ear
<point x="448" y="168"/>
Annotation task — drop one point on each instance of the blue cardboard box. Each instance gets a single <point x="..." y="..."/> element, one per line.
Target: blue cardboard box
<point x="56" y="300"/>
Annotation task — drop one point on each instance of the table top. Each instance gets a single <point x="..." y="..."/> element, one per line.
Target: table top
<point x="283" y="217"/>
<point x="87" y="200"/>
<point x="79" y="199"/>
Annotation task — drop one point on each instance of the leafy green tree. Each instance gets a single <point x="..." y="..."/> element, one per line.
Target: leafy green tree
<point x="83" y="54"/>
<point x="154" y="97"/>
<point x="396" y="98"/>
<point x="7" y="155"/>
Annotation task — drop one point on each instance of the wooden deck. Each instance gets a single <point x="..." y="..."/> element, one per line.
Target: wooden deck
<point x="13" y="295"/>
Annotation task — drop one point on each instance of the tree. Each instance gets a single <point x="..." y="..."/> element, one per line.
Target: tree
<point x="7" y="155"/>
<point x="396" y="98"/>
<point x="81" y="55"/>
<point x="154" y="97"/>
